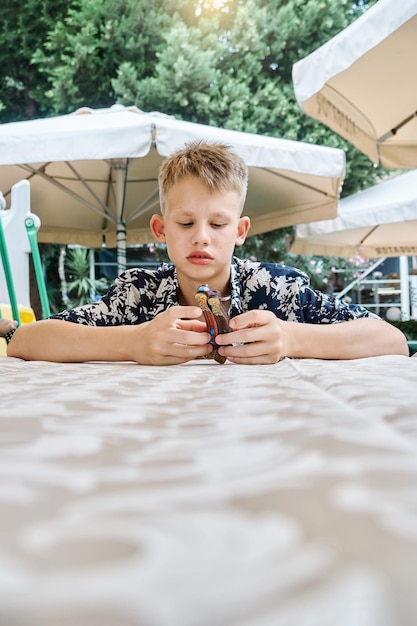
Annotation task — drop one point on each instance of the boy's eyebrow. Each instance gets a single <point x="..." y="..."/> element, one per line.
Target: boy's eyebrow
<point x="187" y="213"/>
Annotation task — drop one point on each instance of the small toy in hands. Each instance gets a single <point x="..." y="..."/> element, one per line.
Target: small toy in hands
<point x="216" y="316"/>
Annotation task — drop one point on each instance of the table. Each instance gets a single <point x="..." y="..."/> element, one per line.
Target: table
<point x="209" y="495"/>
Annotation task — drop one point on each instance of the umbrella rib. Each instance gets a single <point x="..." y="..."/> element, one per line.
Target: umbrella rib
<point x="52" y="181"/>
<point x="86" y="185"/>
<point x="368" y="234"/>
<point x="8" y="192"/>
<point x="394" y="130"/>
<point x="148" y="203"/>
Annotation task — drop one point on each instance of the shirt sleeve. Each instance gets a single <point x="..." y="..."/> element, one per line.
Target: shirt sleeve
<point x="317" y="308"/>
<point x="287" y="292"/>
<point x="122" y="304"/>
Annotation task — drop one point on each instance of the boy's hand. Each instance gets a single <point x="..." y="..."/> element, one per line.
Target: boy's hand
<point x="263" y="338"/>
<point x="172" y="337"/>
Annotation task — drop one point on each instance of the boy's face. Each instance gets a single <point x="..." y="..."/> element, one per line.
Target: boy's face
<point x="200" y="230"/>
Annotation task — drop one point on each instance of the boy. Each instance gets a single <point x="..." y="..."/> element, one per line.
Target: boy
<point x="151" y="317"/>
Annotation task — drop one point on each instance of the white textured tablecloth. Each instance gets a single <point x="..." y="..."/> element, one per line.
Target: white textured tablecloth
<point x="208" y="495"/>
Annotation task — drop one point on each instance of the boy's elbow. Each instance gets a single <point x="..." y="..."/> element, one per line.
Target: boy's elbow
<point x="398" y="341"/>
<point x="14" y="347"/>
<point x="404" y="349"/>
<point x="23" y="341"/>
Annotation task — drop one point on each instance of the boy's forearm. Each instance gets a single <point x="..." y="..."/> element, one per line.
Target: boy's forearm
<point x="60" y="341"/>
<point x="346" y="340"/>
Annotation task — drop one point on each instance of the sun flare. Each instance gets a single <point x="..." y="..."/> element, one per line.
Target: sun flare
<point x="210" y="5"/>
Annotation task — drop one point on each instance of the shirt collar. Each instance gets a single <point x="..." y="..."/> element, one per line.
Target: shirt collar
<point x="168" y="290"/>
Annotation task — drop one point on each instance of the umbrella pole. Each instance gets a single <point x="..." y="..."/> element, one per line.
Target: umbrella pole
<point x="413" y="288"/>
<point x="121" y="247"/>
<point x="405" y="288"/>
<point x="121" y="226"/>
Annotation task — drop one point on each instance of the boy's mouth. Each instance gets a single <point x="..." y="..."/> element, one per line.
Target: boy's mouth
<point x="199" y="258"/>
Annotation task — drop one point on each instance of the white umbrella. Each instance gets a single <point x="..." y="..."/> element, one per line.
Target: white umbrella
<point x="93" y="174"/>
<point x="378" y="222"/>
<point x="362" y="83"/>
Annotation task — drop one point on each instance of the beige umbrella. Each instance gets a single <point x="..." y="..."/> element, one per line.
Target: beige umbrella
<point x="93" y="174"/>
<point x="362" y="83"/>
<point x="378" y="222"/>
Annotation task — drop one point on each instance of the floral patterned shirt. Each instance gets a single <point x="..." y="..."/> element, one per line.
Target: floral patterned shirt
<point x="138" y="295"/>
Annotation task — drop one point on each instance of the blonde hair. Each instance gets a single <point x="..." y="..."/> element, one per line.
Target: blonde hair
<point x="214" y="164"/>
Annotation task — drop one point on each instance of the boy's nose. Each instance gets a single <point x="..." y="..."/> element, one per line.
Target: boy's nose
<point x="201" y="235"/>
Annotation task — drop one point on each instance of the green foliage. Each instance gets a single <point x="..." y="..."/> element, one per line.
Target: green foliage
<point x="89" y="47"/>
<point x="184" y="82"/>
<point x="23" y="28"/>
<point x="81" y="288"/>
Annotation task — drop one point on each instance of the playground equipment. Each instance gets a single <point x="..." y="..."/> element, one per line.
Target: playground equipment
<point x="18" y="238"/>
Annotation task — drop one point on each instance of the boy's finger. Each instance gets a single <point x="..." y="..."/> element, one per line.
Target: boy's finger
<point x="195" y="325"/>
<point x="184" y="312"/>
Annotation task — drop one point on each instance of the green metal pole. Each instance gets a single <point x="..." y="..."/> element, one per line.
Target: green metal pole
<point x="33" y="240"/>
<point x="8" y="274"/>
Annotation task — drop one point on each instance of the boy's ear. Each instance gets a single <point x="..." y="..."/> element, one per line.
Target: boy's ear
<point x="157" y="225"/>
<point x="242" y="230"/>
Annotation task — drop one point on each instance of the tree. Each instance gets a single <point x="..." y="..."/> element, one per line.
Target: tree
<point x="22" y="31"/>
<point x="84" y="51"/>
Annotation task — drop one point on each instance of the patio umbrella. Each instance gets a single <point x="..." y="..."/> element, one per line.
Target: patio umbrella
<point x="93" y="174"/>
<point x="362" y="83"/>
<point x="378" y="222"/>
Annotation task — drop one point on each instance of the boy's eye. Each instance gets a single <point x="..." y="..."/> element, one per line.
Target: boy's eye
<point x="188" y="224"/>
